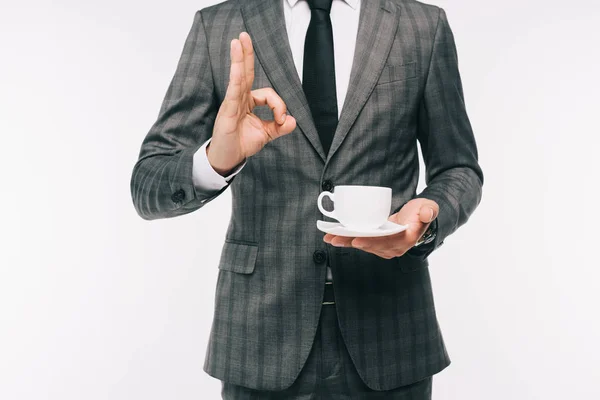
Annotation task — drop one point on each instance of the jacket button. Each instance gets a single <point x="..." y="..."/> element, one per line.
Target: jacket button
<point x="319" y="256"/>
<point x="178" y="196"/>
<point x="327" y="185"/>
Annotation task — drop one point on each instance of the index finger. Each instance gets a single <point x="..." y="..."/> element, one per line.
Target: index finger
<point x="268" y="96"/>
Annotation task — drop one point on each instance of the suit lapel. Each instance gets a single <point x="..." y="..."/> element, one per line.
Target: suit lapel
<point x="265" y="23"/>
<point x="376" y="31"/>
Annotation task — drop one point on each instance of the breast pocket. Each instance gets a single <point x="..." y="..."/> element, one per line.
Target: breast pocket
<point x="238" y="256"/>
<point x="395" y="73"/>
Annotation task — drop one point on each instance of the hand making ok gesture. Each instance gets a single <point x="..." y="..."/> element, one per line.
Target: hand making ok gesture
<point x="238" y="133"/>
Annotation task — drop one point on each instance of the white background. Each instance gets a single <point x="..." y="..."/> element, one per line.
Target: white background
<point x="96" y="303"/>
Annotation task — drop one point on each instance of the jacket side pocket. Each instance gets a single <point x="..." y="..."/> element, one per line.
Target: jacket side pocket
<point x="238" y="256"/>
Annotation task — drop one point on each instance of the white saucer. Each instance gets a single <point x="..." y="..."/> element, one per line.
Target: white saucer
<point x="336" y="228"/>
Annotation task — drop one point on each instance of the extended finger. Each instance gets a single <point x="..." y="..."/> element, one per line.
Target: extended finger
<point x="248" y="58"/>
<point x="236" y="78"/>
<point x="328" y="236"/>
<point x="341" y="241"/>
<point x="268" y="96"/>
<point x="379" y="242"/>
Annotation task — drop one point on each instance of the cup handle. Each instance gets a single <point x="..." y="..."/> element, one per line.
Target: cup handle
<point x="324" y="211"/>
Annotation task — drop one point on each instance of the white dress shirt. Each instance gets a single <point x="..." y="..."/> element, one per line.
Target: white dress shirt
<point x="344" y="20"/>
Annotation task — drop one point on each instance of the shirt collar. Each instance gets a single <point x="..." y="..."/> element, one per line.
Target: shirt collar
<point x="351" y="3"/>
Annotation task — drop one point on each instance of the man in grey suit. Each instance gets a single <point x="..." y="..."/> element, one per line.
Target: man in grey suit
<point x="299" y="313"/>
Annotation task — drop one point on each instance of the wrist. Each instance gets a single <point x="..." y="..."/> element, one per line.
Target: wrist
<point x="429" y="235"/>
<point x="223" y="171"/>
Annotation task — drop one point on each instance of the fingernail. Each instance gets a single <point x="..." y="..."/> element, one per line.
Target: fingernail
<point x="283" y="118"/>
<point x="431" y="218"/>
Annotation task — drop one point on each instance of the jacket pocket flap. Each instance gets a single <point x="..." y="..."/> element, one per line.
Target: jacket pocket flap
<point x="238" y="256"/>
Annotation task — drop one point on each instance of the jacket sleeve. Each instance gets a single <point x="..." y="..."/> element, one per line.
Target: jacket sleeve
<point x="162" y="182"/>
<point x="453" y="176"/>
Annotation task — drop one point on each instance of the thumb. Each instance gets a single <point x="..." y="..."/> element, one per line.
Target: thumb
<point x="275" y="130"/>
<point x="427" y="213"/>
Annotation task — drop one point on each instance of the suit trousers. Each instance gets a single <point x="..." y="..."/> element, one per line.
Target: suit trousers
<point x="329" y="373"/>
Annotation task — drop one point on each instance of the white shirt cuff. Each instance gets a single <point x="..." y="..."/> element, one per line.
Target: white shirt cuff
<point x="204" y="176"/>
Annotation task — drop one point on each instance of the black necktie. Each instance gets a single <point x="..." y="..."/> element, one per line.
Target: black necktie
<point x="318" y="73"/>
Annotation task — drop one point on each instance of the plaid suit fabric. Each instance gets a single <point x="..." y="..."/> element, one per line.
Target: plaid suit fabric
<point x="329" y="374"/>
<point x="404" y="87"/>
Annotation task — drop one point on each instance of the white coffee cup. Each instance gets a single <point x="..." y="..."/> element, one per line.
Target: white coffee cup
<point x="359" y="207"/>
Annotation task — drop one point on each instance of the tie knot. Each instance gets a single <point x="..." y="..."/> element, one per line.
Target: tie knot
<point x="320" y="4"/>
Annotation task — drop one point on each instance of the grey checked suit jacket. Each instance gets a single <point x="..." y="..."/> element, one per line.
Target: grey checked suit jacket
<point x="405" y="86"/>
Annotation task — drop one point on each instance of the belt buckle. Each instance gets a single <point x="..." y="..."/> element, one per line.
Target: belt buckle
<point x="328" y="289"/>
